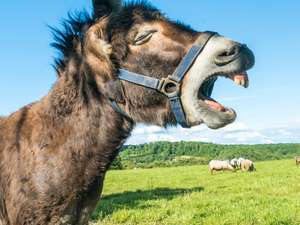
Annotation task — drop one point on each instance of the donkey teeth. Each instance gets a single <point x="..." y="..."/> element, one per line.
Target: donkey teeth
<point x="237" y="81"/>
<point x="241" y="81"/>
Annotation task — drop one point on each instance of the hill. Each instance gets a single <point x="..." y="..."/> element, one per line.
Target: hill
<point x="167" y="154"/>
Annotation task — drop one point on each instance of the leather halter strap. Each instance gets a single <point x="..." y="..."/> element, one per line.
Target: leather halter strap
<point x="173" y="80"/>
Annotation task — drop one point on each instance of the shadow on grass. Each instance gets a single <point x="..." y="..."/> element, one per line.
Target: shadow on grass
<point x="131" y="200"/>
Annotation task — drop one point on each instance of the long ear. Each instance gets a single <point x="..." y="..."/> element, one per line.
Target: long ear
<point x="98" y="67"/>
<point x="102" y="7"/>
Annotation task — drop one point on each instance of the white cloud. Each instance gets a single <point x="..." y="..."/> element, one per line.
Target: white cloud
<point x="200" y="139"/>
<point x="155" y="137"/>
<point x="237" y="126"/>
<point x="196" y="128"/>
<point x="284" y="133"/>
<point x="236" y="133"/>
<point x="295" y="121"/>
<point x="152" y="138"/>
<point x="154" y="129"/>
<point x="267" y="141"/>
<point x="138" y="130"/>
<point x="243" y="136"/>
<point x="142" y="129"/>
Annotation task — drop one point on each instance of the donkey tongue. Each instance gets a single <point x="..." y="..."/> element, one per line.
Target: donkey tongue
<point x="215" y="105"/>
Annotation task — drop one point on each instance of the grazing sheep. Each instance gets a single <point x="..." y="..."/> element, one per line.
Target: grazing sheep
<point x="234" y="163"/>
<point x="220" y="165"/>
<point x="248" y="165"/>
<point x="297" y="158"/>
<point x="240" y="161"/>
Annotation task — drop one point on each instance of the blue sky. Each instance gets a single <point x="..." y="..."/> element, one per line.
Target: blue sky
<point x="268" y="110"/>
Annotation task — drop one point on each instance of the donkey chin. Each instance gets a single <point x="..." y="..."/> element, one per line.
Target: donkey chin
<point x="220" y="57"/>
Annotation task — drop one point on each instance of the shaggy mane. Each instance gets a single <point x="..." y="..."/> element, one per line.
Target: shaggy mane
<point x="144" y="5"/>
<point x="66" y="40"/>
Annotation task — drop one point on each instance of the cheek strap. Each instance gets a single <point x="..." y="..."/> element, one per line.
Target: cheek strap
<point x="173" y="80"/>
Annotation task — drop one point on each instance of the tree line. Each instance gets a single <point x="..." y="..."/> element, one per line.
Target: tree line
<point x="168" y="154"/>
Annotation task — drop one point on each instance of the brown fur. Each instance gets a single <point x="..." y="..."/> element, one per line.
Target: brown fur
<point x="54" y="153"/>
<point x="247" y="165"/>
<point x="297" y="159"/>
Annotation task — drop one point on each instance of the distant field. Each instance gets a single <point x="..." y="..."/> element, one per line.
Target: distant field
<point x="190" y="195"/>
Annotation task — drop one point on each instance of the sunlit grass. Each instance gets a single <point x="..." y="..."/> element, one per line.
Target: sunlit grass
<point x="190" y="195"/>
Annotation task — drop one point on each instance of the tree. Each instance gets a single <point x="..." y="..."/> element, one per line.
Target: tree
<point x="162" y="152"/>
<point x="117" y="164"/>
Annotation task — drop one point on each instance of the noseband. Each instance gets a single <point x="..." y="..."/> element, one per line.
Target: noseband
<point x="173" y="80"/>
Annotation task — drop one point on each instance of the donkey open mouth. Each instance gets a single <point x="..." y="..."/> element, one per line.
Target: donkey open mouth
<point x="206" y="88"/>
<point x="220" y="57"/>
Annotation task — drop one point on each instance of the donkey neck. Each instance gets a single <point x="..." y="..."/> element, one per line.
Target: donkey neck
<point x="92" y="129"/>
<point x="69" y="140"/>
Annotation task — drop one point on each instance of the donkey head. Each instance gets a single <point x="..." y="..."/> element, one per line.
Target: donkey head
<point x="138" y="38"/>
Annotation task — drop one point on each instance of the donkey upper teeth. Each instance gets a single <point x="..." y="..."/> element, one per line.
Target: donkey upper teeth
<point x="241" y="81"/>
<point x="237" y="81"/>
<point x="240" y="78"/>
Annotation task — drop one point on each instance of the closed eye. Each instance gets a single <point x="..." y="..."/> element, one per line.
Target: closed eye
<point x="142" y="38"/>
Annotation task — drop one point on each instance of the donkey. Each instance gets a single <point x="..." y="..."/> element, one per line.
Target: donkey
<point x="113" y="73"/>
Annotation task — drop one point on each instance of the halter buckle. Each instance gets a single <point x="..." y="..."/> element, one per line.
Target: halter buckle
<point x="166" y="83"/>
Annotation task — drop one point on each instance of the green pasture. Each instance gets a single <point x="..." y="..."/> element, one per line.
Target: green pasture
<point x="191" y="195"/>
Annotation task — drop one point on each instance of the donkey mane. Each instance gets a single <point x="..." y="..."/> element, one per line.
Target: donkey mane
<point x="67" y="40"/>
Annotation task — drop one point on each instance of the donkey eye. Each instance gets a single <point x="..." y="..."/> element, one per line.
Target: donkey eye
<point x="143" y="37"/>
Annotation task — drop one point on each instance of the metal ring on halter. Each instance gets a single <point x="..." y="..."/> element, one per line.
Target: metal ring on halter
<point x="174" y="79"/>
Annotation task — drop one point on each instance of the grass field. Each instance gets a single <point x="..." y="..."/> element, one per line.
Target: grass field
<point x="191" y="195"/>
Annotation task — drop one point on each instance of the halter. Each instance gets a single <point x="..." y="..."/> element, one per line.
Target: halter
<point x="173" y="80"/>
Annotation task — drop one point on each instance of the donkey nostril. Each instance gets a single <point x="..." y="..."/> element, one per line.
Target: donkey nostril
<point x="223" y="54"/>
<point x="228" y="55"/>
<point x="228" y="52"/>
<point x="233" y="50"/>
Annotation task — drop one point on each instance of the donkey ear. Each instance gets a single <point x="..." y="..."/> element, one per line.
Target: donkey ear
<point x="102" y="7"/>
<point x="98" y="67"/>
